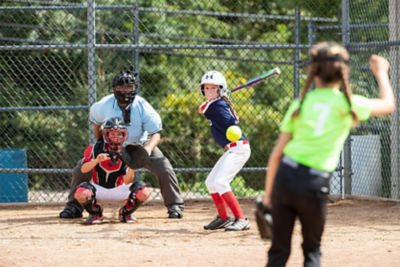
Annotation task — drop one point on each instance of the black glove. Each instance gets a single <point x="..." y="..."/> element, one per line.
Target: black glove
<point x="264" y="220"/>
<point x="135" y="156"/>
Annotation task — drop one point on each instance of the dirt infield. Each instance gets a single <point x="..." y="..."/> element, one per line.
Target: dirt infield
<point x="358" y="233"/>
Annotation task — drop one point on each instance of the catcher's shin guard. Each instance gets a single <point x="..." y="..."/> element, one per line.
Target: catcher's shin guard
<point x="86" y="195"/>
<point x="140" y="192"/>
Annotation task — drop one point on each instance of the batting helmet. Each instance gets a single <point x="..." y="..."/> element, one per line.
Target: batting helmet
<point x="115" y="133"/>
<point x="214" y="77"/>
<point x="124" y="79"/>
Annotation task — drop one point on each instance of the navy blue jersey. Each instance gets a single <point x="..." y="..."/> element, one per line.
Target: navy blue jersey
<point x="220" y="117"/>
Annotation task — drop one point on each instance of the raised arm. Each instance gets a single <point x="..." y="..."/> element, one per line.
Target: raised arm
<point x="385" y="104"/>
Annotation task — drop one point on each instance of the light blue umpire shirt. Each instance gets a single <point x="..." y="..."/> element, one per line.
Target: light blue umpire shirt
<point x="145" y="121"/>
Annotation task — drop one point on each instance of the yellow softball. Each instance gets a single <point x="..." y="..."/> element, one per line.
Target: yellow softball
<point x="233" y="133"/>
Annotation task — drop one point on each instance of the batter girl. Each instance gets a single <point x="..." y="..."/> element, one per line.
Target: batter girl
<point x="313" y="132"/>
<point x="220" y="113"/>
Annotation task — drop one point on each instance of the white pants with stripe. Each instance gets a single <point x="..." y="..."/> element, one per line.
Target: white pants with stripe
<point x="226" y="168"/>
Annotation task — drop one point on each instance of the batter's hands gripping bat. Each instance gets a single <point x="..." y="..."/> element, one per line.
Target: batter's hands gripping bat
<point x="263" y="219"/>
<point x="258" y="79"/>
<point x="135" y="156"/>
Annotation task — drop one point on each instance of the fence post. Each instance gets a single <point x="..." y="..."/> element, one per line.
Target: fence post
<point x="394" y="34"/>
<point x="135" y="59"/>
<point x="347" y="168"/>
<point x="311" y="32"/>
<point x="91" y="32"/>
<point x="296" y="80"/>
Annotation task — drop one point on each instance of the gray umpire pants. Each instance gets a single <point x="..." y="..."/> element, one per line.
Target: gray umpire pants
<point x="159" y="165"/>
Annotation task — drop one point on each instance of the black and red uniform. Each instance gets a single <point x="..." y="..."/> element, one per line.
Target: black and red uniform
<point x="107" y="174"/>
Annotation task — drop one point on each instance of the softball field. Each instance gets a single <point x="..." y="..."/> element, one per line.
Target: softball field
<point x="359" y="232"/>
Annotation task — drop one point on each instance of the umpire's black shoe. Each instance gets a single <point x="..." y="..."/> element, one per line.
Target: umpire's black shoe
<point x="217" y="223"/>
<point x="72" y="210"/>
<point x="175" y="212"/>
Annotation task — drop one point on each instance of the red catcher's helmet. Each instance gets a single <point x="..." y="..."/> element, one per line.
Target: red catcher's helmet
<point x="115" y="134"/>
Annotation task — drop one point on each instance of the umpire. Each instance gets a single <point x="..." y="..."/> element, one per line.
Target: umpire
<point x="144" y="127"/>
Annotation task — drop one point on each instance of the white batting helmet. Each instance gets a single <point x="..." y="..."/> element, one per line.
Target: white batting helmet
<point x="214" y="77"/>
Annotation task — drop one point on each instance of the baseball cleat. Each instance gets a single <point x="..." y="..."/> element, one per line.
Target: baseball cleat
<point x="125" y="217"/>
<point x="217" y="223"/>
<point x="94" y="219"/>
<point x="239" y="225"/>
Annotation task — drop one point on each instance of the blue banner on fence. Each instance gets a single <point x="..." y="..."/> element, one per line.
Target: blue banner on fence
<point x="13" y="186"/>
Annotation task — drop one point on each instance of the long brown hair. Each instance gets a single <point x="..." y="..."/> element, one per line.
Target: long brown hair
<point x="224" y="97"/>
<point x="329" y="61"/>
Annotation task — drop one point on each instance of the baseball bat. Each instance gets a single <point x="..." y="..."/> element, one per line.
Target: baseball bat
<point x="260" y="78"/>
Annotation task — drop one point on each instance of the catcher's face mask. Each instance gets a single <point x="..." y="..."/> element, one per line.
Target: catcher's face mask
<point x="115" y="138"/>
<point x="125" y="94"/>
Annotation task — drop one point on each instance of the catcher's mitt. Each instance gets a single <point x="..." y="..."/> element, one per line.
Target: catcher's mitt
<point x="264" y="220"/>
<point x="135" y="156"/>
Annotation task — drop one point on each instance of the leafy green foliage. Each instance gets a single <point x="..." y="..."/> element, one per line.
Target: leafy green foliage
<point x="169" y="78"/>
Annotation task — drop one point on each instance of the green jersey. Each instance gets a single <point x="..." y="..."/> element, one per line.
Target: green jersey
<point x="320" y="130"/>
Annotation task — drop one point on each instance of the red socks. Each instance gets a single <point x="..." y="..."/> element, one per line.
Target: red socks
<point x="220" y="204"/>
<point x="233" y="204"/>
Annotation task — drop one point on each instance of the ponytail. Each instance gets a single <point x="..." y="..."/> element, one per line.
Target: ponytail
<point x="306" y="88"/>
<point x="344" y="70"/>
<point x="224" y="97"/>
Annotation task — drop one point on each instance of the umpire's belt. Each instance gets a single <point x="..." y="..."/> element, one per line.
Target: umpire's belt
<point x="294" y="164"/>
<point x="237" y="143"/>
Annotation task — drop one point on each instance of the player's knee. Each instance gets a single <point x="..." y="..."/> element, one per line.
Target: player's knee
<point x="222" y="188"/>
<point x="210" y="185"/>
<point x="85" y="193"/>
<point x="143" y="194"/>
<point x="140" y="190"/>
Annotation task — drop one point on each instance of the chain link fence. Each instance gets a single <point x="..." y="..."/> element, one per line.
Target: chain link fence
<point x="58" y="58"/>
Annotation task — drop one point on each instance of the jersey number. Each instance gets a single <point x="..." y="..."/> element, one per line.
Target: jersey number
<point x="323" y="111"/>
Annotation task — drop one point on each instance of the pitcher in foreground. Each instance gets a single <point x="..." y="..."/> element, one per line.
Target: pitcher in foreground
<point x="313" y="132"/>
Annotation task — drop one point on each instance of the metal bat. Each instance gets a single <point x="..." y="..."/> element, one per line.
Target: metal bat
<point x="258" y="79"/>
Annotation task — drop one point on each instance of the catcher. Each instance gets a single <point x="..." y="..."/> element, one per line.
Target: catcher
<point x="111" y="181"/>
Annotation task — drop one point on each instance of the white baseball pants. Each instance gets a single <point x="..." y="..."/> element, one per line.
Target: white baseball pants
<point x="226" y="168"/>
